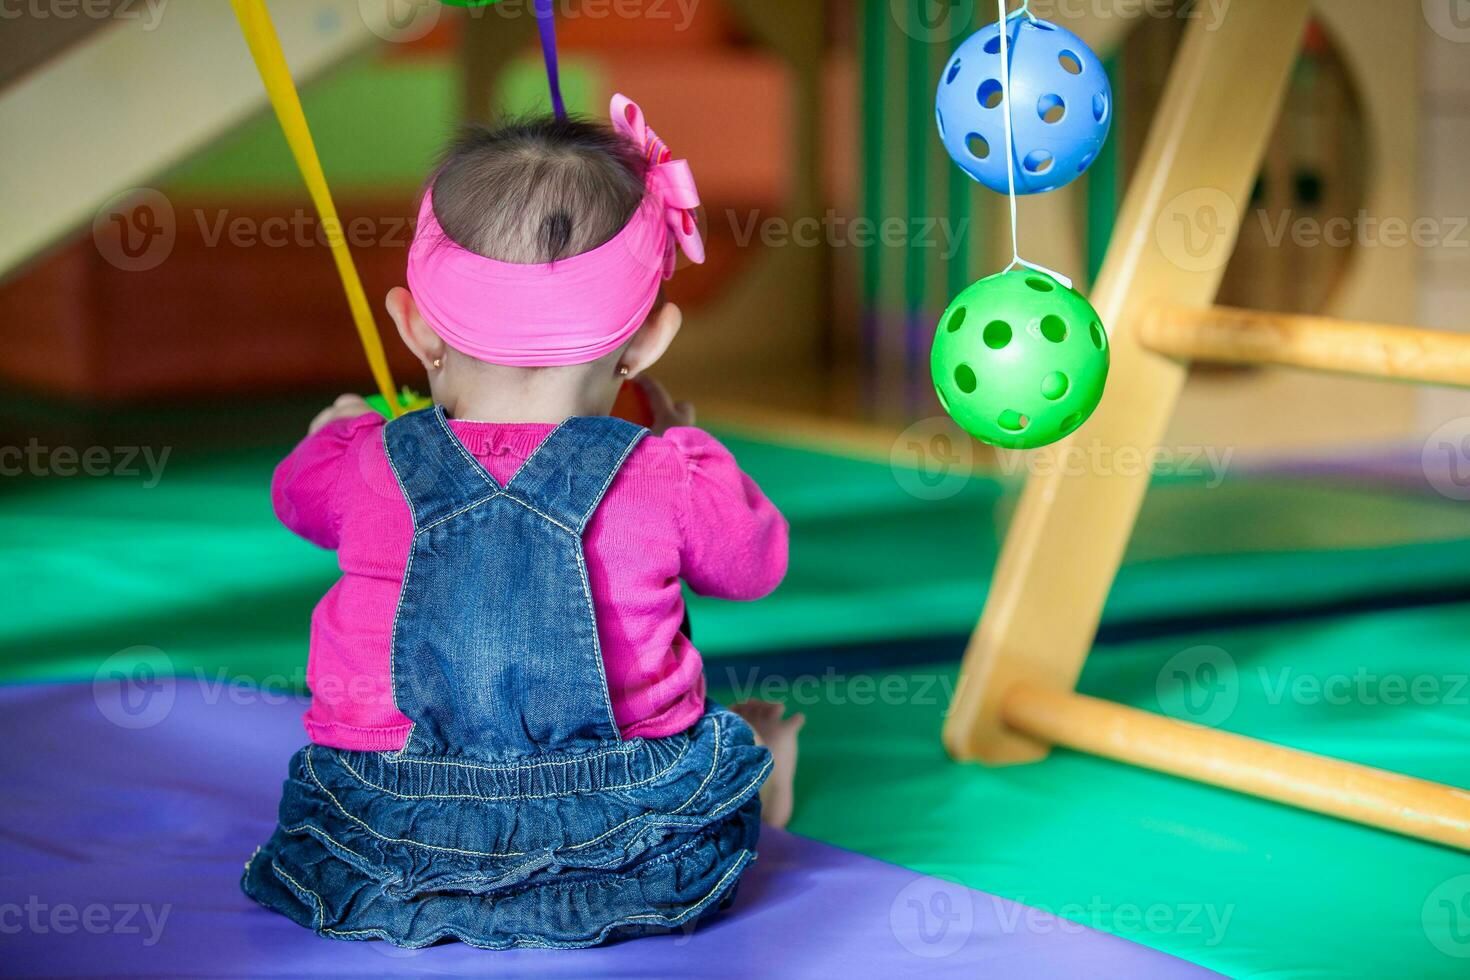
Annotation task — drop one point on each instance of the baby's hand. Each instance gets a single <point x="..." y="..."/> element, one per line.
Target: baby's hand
<point x="667" y="413"/>
<point x="345" y="407"/>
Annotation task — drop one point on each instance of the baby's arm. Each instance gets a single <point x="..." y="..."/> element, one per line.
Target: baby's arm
<point x="735" y="540"/>
<point x="304" y="488"/>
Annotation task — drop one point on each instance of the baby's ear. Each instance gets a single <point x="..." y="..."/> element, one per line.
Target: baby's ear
<point x="653" y="338"/>
<point x="417" y="336"/>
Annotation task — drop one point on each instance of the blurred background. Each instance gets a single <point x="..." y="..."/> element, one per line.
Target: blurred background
<point x="170" y="320"/>
<point x="159" y="248"/>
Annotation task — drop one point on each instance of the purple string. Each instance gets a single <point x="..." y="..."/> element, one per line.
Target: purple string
<point x="546" y="20"/>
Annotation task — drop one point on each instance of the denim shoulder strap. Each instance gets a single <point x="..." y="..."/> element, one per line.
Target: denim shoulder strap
<point x="568" y="475"/>
<point x="495" y="646"/>
<point x="436" y="473"/>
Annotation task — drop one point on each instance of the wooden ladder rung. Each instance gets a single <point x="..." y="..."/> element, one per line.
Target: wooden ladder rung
<point x="1312" y="342"/>
<point x="1415" y="807"/>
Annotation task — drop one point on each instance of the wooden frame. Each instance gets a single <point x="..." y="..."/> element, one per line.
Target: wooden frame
<point x="1017" y="692"/>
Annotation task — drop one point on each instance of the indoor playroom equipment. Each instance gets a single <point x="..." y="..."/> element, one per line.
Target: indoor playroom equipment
<point x="1017" y="696"/>
<point x="1063" y="98"/>
<point x="1020" y="358"/>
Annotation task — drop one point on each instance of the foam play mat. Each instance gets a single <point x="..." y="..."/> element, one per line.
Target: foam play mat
<point x="901" y="862"/>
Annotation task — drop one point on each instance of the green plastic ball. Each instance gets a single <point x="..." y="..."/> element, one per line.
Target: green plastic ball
<point x="1020" y="360"/>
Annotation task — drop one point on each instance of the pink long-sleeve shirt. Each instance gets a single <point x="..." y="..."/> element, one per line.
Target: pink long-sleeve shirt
<point x="679" y="508"/>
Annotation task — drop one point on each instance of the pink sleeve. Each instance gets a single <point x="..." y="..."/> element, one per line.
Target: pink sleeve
<point x="304" y="488"/>
<point x="735" y="539"/>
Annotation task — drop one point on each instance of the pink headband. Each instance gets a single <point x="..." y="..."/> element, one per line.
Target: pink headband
<point x="567" y="312"/>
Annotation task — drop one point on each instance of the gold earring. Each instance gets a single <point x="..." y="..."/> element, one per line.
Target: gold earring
<point x="623" y="370"/>
<point x="438" y="363"/>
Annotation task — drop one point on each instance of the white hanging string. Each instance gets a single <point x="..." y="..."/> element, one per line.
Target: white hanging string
<point x="1005" y="98"/>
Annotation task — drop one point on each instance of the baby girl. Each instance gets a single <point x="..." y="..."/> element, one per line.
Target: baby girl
<point x="510" y="743"/>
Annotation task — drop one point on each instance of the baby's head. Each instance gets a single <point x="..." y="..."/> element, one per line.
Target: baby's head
<point x="536" y="268"/>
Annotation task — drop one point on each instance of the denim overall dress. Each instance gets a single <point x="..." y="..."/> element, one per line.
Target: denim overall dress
<point x="515" y="814"/>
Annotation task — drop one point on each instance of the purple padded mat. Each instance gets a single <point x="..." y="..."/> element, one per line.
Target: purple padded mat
<point x="127" y="813"/>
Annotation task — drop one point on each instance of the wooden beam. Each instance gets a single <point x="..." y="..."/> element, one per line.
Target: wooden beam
<point x="139" y="95"/>
<point x="1177" y="227"/>
<point x="1414" y="807"/>
<point x="1314" y="343"/>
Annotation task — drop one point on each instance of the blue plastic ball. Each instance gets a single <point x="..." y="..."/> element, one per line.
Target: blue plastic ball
<point x="1062" y="106"/>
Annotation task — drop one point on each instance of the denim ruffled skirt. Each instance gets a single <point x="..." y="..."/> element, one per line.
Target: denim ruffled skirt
<point x="561" y="850"/>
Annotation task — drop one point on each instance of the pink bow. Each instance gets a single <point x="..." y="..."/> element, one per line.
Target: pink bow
<point x="670" y="179"/>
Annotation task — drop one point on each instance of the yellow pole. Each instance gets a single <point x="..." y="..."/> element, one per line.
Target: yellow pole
<point x="270" y="61"/>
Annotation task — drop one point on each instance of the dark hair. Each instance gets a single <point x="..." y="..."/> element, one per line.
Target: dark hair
<point x="536" y="190"/>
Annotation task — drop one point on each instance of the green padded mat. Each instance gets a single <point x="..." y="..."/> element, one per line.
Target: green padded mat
<point x="1246" y="887"/>
<point x="197" y="569"/>
<point x="113" y="563"/>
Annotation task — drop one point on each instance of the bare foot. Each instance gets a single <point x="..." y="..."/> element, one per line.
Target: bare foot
<point x="779" y="736"/>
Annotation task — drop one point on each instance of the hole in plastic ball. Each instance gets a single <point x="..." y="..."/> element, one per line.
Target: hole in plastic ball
<point x="977" y="145"/>
<point x="1099" y="339"/>
<point x="1054" y="328"/>
<point x="1100" y="106"/>
<point x="1038" y="161"/>
<point x="939" y="118"/>
<point x="1054" y="386"/>
<point x="997" y="334"/>
<point x="1051" y="108"/>
<point x="991" y="93"/>
<point x="1012" y="421"/>
<point x="943" y="402"/>
<point x="1040" y="25"/>
<point x="1070" y="422"/>
<point x="1086" y="161"/>
<point x="1070" y="63"/>
<point x="992" y="46"/>
<point x="965" y="378"/>
<point x="954" y="71"/>
<point x="1039" y="284"/>
<point x="956" y="320"/>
